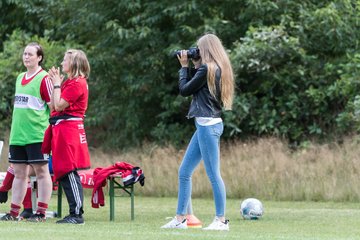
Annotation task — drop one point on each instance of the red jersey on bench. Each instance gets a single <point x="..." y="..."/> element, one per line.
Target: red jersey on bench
<point x="128" y="172"/>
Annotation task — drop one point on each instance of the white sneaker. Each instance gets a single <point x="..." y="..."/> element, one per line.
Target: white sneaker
<point x="174" y="223"/>
<point x="218" y="225"/>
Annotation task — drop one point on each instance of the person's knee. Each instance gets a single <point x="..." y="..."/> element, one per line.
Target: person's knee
<point x="183" y="175"/>
<point x="43" y="174"/>
<point x="214" y="177"/>
<point x="20" y="170"/>
<point x="21" y="176"/>
<point x="42" y="171"/>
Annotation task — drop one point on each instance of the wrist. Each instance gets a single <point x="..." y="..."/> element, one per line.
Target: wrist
<point x="57" y="86"/>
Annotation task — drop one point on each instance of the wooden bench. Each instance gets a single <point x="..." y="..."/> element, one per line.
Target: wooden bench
<point x="114" y="182"/>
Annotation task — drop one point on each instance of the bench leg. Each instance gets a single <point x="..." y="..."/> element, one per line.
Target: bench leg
<point x="112" y="195"/>
<point x="112" y="198"/>
<point x="132" y="203"/>
<point x="33" y="184"/>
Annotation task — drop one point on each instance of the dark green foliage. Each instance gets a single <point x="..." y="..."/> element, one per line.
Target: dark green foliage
<point x="296" y="64"/>
<point x="291" y="72"/>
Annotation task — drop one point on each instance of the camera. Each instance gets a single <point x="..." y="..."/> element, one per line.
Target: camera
<point x="192" y="53"/>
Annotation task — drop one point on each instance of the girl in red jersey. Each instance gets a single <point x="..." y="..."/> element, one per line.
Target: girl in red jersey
<point x="68" y="140"/>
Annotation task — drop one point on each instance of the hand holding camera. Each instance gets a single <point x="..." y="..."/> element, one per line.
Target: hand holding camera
<point x="183" y="58"/>
<point x="192" y="53"/>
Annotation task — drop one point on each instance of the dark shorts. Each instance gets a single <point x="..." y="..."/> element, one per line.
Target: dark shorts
<point x="28" y="154"/>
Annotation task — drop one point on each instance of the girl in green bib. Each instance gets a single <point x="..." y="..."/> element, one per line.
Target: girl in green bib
<point x="29" y="121"/>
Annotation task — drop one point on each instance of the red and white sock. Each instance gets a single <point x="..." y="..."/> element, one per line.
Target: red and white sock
<point x="41" y="208"/>
<point x="15" y="209"/>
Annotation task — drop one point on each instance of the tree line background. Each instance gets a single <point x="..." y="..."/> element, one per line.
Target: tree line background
<point x="297" y="64"/>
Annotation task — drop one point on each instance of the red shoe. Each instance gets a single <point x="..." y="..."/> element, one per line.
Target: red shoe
<point x="193" y="222"/>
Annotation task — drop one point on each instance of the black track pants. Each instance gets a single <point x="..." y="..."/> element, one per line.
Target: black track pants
<point x="74" y="192"/>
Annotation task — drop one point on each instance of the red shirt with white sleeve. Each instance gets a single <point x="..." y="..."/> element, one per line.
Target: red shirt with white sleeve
<point x="46" y="86"/>
<point x="75" y="92"/>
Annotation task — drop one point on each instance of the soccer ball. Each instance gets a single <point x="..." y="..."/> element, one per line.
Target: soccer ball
<point x="251" y="209"/>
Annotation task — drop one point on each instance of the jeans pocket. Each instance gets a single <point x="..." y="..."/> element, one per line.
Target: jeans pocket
<point x="217" y="129"/>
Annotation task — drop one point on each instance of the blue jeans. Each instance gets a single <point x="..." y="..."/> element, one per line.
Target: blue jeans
<point x="204" y="144"/>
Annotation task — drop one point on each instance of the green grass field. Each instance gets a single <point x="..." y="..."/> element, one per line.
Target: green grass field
<point x="282" y="220"/>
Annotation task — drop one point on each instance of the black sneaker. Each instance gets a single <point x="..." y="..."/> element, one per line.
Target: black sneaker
<point x="3" y="197"/>
<point x="72" y="219"/>
<point x="8" y="217"/>
<point x="28" y="212"/>
<point x="38" y="217"/>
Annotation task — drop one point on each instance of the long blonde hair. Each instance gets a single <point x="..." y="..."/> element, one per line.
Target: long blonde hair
<point x="213" y="54"/>
<point x="79" y="64"/>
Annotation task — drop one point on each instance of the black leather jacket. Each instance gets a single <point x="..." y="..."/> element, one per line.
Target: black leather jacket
<point x="203" y="103"/>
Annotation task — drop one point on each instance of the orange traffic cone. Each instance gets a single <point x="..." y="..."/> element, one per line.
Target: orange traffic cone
<point x="193" y="222"/>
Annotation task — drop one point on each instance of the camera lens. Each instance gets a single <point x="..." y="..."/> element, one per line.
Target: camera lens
<point x="192" y="53"/>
